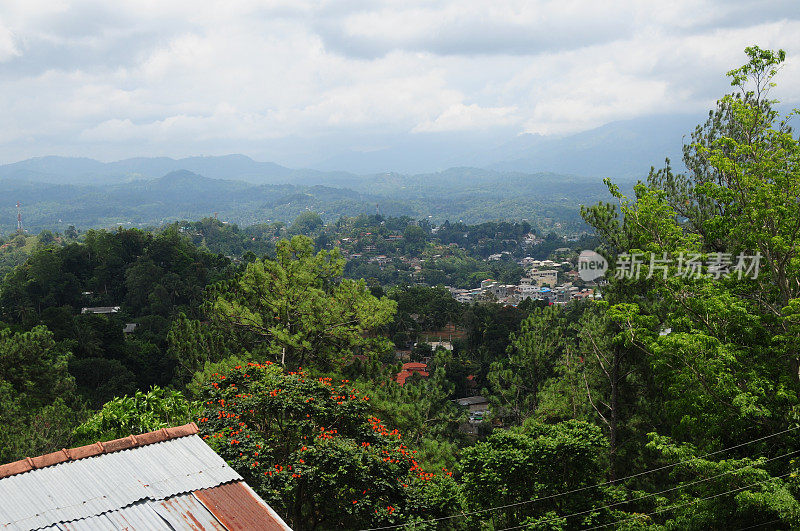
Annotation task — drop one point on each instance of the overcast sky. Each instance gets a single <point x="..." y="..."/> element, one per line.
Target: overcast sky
<point x="172" y="77"/>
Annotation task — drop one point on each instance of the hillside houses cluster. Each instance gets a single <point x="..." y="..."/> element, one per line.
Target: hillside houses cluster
<point x="541" y="283"/>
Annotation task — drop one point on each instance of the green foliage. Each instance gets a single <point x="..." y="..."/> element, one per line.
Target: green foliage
<point x="423" y="411"/>
<point x="711" y="360"/>
<point x="524" y="468"/>
<point x="306" y="224"/>
<point x="34" y="367"/>
<point x="313" y="449"/>
<point x="701" y="500"/>
<point x="139" y="413"/>
<point x="516" y="380"/>
<point x="37" y="394"/>
<point x="193" y="345"/>
<point x="301" y="308"/>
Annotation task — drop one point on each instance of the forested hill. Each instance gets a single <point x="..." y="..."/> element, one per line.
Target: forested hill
<point x="467" y="194"/>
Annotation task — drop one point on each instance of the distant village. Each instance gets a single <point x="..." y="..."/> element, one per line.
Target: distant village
<point x="541" y="283"/>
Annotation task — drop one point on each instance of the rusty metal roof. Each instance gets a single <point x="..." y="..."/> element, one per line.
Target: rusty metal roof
<point x="183" y="511"/>
<point x="237" y="506"/>
<point x="142" y="482"/>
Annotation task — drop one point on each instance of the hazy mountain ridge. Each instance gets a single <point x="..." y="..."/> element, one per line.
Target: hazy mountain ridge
<point x="84" y="171"/>
<point x="624" y="149"/>
<point x="471" y="194"/>
<point x="527" y="176"/>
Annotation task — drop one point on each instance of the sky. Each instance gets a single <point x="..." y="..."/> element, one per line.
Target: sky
<point x="110" y="80"/>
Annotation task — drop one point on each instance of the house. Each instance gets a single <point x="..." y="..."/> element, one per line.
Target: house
<point x="474" y="403"/>
<point x="447" y="345"/>
<point x="129" y="328"/>
<point x="410" y="369"/>
<point x="101" y="309"/>
<point x="165" y="479"/>
<point x="486" y="284"/>
<point x="540" y="278"/>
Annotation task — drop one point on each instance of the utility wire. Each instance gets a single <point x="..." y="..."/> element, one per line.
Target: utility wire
<point x="683" y="486"/>
<point x="581" y="489"/>
<point x="759" y="525"/>
<point x="691" y="502"/>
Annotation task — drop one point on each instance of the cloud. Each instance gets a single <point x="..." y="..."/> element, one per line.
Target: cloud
<point x="460" y="117"/>
<point x="93" y="78"/>
<point x="8" y="46"/>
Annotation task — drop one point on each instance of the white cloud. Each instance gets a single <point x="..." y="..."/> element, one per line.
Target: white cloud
<point x="8" y="46"/>
<point x="143" y="77"/>
<point x="460" y="117"/>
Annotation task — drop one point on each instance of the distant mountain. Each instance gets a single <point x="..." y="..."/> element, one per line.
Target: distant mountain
<point x="83" y="171"/>
<point x="478" y="178"/>
<point x="550" y="201"/>
<point x="623" y="149"/>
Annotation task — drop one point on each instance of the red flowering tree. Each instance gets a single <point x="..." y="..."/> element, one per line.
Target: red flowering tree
<point x="312" y="448"/>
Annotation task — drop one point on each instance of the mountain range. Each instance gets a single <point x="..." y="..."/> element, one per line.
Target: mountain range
<point x="540" y="178"/>
<point x="621" y="150"/>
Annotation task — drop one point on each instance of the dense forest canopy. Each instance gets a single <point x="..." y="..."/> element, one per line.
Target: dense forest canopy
<point x="671" y="402"/>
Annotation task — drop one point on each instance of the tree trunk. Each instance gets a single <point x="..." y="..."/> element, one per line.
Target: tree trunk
<point x="614" y="420"/>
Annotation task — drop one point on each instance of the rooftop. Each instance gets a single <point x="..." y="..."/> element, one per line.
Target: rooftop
<point x="101" y="309"/>
<point x="165" y="479"/>
<point x="471" y="400"/>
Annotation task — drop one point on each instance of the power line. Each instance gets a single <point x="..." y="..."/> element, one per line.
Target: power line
<point x="581" y="489"/>
<point x="683" y="486"/>
<point x="759" y="525"/>
<point x="665" y="509"/>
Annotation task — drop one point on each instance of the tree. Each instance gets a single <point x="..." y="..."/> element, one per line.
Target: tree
<point x="423" y="410"/>
<point x="192" y="344"/>
<point x="306" y="224"/>
<point x="524" y="470"/>
<point x="725" y="494"/>
<point x="719" y="364"/>
<point x="516" y="379"/>
<point x="39" y="406"/>
<point x="314" y="450"/>
<point x="138" y="413"/>
<point x="301" y="309"/>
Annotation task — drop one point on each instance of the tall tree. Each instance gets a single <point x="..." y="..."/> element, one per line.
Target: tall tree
<point x="301" y="308"/>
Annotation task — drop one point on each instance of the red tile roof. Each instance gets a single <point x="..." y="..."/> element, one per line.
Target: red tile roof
<point x="98" y="448"/>
<point x="402" y="376"/>
<point x="412" y="366"/>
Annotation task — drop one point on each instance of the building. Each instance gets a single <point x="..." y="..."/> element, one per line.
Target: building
<point x="486" y="284"/>
<point x="474" y="403"/>
<point x="447" y="345"/>
<point x="166" y="479"/>
<point x="540" y="278"/>
<point x="101" y="310"/>
<point x="410" y="369"/>
<point x="465" y="296"/>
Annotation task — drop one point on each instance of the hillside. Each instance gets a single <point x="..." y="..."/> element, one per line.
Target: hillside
<point x="549" y="200"/>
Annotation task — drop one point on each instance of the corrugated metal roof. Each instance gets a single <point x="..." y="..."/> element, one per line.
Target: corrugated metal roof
<point x="187" y="512"/>
<point x="183" y="511"/>
<point x="237" y="506"/>
<point x="88" y="487"/>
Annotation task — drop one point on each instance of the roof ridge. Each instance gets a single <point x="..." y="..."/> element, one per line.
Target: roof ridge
<point x="90" y="450"/>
